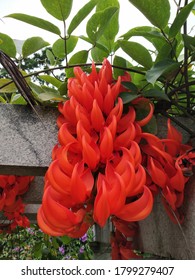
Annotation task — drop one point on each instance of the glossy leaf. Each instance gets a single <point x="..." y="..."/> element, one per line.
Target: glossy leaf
<point x="81" y="15"/>
<point x="59" y="9"/>
<point x="7" y="45"/>
<point x="17" y="99"/>
<point x="79" y="57"/>
<point x="59" y="46"/>
<point x="50" y="57"/>
<point x="38" y="22"/>
<point x="119" y="61"/>
<point x="9" y="88"/>
<point x="180" y="19"/>
<point x="32" y="45"/>
<point x="156" y="11"/>
<point x="150" y="33"/>
<point x="189" y="42"/>
<point x="49" y="79"/>
<point x="137" y="52"/>
<point x="127" y="97"/>
<point x="156" y="94"/>
<point x="113" y="26"/>
<point x="98" y="54"/>
<point x="161" y="68"/>
<point x="49" y="95"/>
<point x="98" y="23"/>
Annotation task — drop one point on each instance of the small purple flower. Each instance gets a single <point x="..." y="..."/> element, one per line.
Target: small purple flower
<point x="62" y="250"/>
<point x="84" y="237"/>
<point x="17" y="249"/>
<point x="30" y="231"/>
<point x="82" y="250"/>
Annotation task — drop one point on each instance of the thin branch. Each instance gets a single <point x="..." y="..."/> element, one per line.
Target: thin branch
<point x="72" y="66"/>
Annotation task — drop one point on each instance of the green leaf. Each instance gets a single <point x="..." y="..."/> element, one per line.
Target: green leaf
<point x="9" y="88"/>
<point x="50" y="57"/>
<point x="112" y="29"/>
<point x="79" y="57"/>
<point x="2" y="100"/>
<point x="127" y="97"/>
<point x="38" y="22"/>
<point x="98" y="54"/>
<point x="156" y="94"/>
<point x="7" y="45"/>
<point x="131" y="86"/>
<point x="189" y="42"/>
<point x="59" y="9"/>
<point x="51" y="80"/>
<point x="81" y="15"/>
<point x="160" y="68"/>
<point x="17" y="99"/>
<point x="180" y="19"/>
<point x="152" y="34"/>
<point x="98" y="45"/>
<point x="137" y="52"/>
<point x="98" y="23"/>
<point x="65" y="239"/>
<point x="32" y="45"/>
<point x="58" y="47"/>
<point x="48" y="96"/>
<point x="156" y="11"/>
<point x="119" y="61"/>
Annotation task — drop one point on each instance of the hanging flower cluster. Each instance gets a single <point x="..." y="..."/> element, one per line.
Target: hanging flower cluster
<point x="11" y="205"/>
<point x="105" y="165"/>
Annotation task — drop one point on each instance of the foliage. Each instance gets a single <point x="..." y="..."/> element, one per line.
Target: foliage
<point x="159" y="79"/>
<point x="32" y="244"/>
<point x="163" y="73"/>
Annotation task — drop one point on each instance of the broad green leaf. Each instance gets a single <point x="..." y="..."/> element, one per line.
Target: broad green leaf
<point x="98" y="55"/>
<point x="59" y="9"/>
<point x="51" y="80"/>
<point x="180" y="19"/>
<point x="48" y="96"/>
<point x="79" y="57"/>
<point x="160" y="68"/>
<point x="98" y="45"/>
<point x="63" y="89"/>
<point x="127" y="97"/>
<point x="32" y="45"/>
<point x="119" y="61"/>
<point x="156" y="94"/>
<point x="9" y="88"/>
<point x="2" y="100"/>
<point x="137" y="52"/>
<point x="113" y="27"/>
<point x="98" y="23"/>
<point x="50" y="57"/>
<point x="165" y="52"/>
<point x="7" y="45"/>
<point x="152" y="34"/>
<point x="38" y="22"/>
<point x="156" y="11"/>
<point x="59" y="48"/>
<point x="189" y="42"/>
<point x="81" y="15"/>
<point x="17" y="99"/>
<point x="130" y="86"/>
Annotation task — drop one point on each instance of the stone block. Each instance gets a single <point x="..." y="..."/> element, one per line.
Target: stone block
<point x="26" y="141"/>
<point x="161" y="237"/>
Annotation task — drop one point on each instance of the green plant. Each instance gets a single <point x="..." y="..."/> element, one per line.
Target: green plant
<point x="32" y="244"/>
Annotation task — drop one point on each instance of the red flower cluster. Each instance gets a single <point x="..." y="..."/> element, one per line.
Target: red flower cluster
<point x="11" y="205"/>
<point x="105" y="164"/>
<point x="96" y="172"/>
